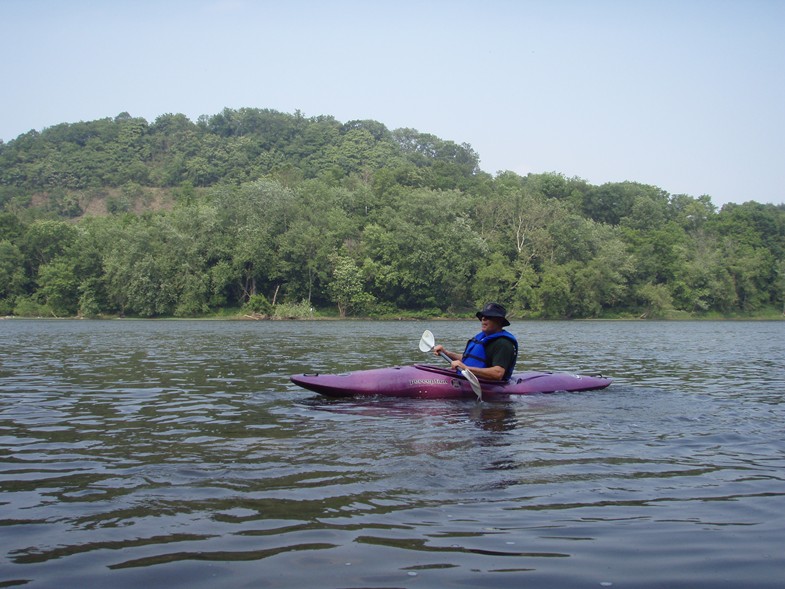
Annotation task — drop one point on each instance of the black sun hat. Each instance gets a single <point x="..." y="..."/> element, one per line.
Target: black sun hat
<point x="494" y="310"/>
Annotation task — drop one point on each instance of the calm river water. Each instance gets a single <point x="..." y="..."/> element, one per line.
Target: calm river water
<point x="178" y="454"/>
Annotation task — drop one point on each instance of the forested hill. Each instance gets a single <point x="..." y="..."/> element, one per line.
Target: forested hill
<point x="234" y="146"/>
<point x="281" y="214"/>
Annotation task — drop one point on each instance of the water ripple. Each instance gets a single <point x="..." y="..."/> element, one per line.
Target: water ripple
<point x="178" y="453"/>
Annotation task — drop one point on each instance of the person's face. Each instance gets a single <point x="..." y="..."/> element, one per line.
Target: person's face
<point x="491" y="324"/>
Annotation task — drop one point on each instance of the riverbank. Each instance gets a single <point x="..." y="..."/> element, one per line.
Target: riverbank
<point x="322" y="315"/>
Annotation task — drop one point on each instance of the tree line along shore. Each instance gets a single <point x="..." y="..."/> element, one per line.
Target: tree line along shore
<point x="260" y="214"/>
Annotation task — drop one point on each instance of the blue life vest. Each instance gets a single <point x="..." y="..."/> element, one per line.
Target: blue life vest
<point x="474" y="354"/>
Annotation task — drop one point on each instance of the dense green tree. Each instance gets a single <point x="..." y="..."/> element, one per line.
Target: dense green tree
<point x="612" y="202"/>
<point x="58" y="286"/>
<point x="779" y="284"/>
<point x="255" y="213"/>
<point x="753" y="271"/>
<point x="46" y="240"/>
<point x="346" y="285"/>
<point x="12" y="276"/>
<point x="602" y="283"/>
<point x="691" y="213"/>
<point x="496" y="280"/>
<point x="137" y="270"/>
<point x="423" y="252"/>
<point x="324" y="220"/>
<point x="656" y="299"/>
<point x="555" y="290"/>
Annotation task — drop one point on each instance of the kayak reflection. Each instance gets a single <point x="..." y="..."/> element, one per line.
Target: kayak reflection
<point x="494" y="417"/>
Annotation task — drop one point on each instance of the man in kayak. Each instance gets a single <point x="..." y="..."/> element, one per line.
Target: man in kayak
<point x="491" y="354"/>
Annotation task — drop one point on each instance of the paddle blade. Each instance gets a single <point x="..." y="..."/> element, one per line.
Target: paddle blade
<point x="427" y="341"/>
<point x="475" y="384"/>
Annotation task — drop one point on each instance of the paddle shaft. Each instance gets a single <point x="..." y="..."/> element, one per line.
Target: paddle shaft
<point x="445" y="356"/>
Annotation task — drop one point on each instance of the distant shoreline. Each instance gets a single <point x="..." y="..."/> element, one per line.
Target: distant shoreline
<point x="242" y="318"/>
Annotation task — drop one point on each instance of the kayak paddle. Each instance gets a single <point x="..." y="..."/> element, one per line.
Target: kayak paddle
<point x="427" y="343"/>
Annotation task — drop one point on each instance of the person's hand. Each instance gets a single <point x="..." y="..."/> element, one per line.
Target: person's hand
<point x="438" y="349"/>
<point x="458" y="365"/>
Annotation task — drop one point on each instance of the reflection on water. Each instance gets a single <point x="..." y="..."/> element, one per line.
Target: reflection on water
<point x="178" y="453"/>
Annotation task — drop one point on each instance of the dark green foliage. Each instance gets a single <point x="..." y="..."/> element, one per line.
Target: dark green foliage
<point x="258" y="303"/>
<point x="261" y="209"/>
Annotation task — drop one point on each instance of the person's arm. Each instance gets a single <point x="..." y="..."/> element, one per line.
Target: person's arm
<point x="490" y="373"/>
<point x="438" y="349"/>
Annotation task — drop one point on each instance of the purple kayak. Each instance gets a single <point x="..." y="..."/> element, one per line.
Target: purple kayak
<point x="431" y="382"/>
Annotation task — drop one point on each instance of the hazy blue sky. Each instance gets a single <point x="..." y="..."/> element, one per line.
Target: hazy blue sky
<point x="687" y="95"/>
